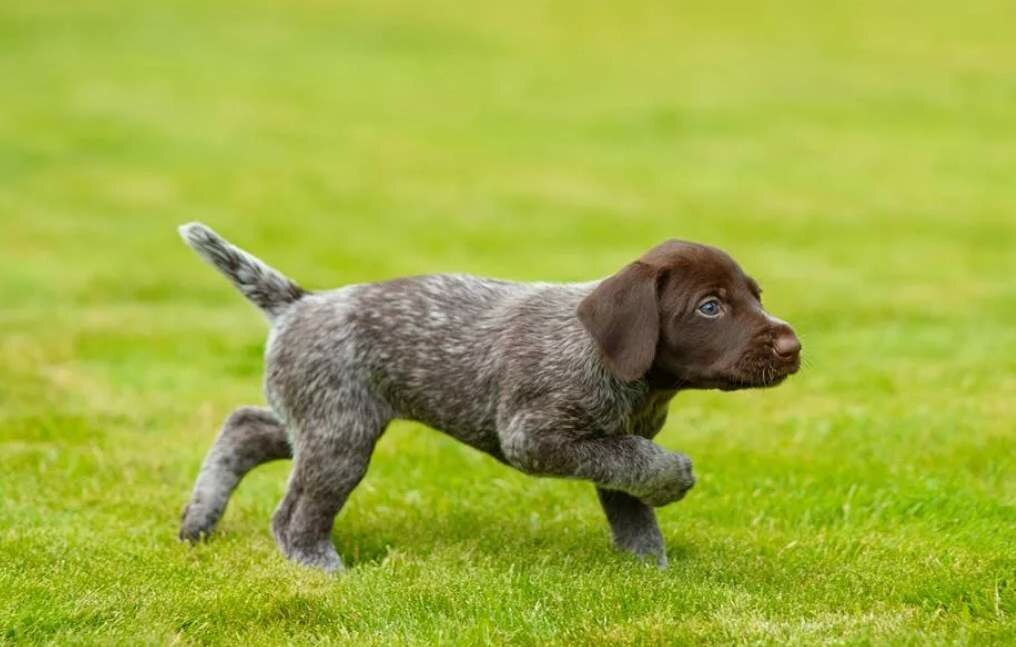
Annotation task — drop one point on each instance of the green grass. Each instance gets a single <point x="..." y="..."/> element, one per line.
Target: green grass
<point x="857" y="159"/>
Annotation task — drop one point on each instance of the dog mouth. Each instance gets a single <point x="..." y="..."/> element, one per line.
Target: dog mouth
<point x="762" y="371"/>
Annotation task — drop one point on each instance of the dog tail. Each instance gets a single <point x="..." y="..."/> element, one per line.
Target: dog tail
<point x="264" y="286"/>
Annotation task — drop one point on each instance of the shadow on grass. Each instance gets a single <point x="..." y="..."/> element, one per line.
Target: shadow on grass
<point x="485" y="538"/>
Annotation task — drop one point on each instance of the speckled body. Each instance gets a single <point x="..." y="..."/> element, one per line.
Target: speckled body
<point x="552" y="379"/>
<point x="459" y="353"/>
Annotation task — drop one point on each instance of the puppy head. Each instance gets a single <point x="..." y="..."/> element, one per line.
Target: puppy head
<point x="686" y="315"/>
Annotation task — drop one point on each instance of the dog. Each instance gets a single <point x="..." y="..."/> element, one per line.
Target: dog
<point x="561" y="380"/>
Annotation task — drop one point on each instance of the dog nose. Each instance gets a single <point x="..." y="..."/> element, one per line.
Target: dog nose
<point x="787" y="344"/>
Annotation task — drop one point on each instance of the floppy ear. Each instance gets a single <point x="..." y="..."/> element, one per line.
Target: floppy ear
<point x="622" y="315"/>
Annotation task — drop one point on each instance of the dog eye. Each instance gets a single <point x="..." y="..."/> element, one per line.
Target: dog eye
<point x="709" y="308"/>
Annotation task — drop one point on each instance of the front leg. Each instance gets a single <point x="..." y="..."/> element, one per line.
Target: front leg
<point x="540" y="443"/>
<point x="633" y="525"/>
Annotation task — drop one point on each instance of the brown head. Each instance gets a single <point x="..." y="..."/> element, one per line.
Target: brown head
<point x="686" y="316"/>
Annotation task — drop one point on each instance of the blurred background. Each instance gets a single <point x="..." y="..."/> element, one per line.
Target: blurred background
<point x="857" y="158"/>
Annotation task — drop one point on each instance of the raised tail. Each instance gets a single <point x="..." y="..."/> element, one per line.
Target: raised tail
<point x="266" y="287"/>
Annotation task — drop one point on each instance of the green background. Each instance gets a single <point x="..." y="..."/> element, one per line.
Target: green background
<point x="859" y="159"/>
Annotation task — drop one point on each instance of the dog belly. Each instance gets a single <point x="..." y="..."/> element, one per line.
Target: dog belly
<point x="485" y="440"/>
<point x="469" y="420"/>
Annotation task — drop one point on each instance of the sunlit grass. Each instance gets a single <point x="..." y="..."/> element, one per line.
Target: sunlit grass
<point x="857" y="160"/>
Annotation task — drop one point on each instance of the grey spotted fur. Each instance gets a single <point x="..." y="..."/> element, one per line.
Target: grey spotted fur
<point x="504" y="367"/>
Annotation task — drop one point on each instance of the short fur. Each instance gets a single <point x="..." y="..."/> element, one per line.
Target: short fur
<point x="564" y="380"/>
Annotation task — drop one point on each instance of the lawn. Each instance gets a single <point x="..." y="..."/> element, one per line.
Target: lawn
<point x="857" y="158"/>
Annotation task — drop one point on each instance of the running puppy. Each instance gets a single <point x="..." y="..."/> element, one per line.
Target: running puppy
<point x="565" y="380"/>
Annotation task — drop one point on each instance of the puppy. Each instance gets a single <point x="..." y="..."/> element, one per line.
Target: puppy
<point x="564" y="380"/>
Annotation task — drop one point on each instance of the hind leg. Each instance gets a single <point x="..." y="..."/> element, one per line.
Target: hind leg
<point x="331" y="458"/>
<point x="249" y="437"/>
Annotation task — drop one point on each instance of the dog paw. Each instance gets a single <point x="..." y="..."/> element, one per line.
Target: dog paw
<point x="675" y="479"/>
<point x="321" y="556"/>
<point x="651" y="552"/>
<point x="197" y="523"/>
<point x="317" y="553"/>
